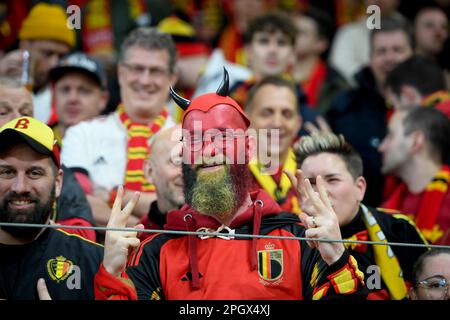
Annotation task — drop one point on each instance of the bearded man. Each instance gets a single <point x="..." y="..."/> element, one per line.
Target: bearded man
<point x="215" y="153"/>
<point x="30" y="182"/>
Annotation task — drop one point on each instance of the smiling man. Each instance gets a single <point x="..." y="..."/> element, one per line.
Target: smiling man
<point x="218" y="199"/>
<point x="163" y="169"/>
<point x="72" y="207"/>
<point x="30" y="183"/>
<point x="80" y="91"/>
<point x="272" y="106"/>
<point x="110" y="151"/>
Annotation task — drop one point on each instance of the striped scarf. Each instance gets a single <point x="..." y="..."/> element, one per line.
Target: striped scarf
<point x="430" y="206"/>
<point x="138" y="149"/>
<point x="279" y="192"/>
<point x="391" y="272"/>
<point x="436" y="98"/>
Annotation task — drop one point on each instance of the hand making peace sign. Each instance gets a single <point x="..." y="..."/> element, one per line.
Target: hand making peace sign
<point x="318" y="216"/>
<point x="119" y="244"/>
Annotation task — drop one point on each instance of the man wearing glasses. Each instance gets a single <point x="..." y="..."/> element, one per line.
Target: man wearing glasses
<point x="110" y="151"/>
<point x="218" y="198"/>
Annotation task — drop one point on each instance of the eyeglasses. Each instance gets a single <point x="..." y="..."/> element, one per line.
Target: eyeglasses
<point x="139" y="70"/>
<point x="219" y="139"/>
<point x="436" y="286"/>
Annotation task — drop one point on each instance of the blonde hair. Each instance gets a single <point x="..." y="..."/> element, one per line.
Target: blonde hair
<point x="327" y="142"/>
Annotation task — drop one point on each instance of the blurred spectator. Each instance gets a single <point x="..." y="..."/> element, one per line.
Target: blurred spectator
<point x="431" y="276"/>
<point x="430" y="31"/>
<point x="320" y="82"/>
<point x="241" y="12"/>
<point x="80" y="91"/>
<point x="46" y="37"/>
<point x="360" y="114"/>
<point x="30" y="183"/>
<point x="72" y="208"/>
<point x="417" y="81"/>
<point x="206" y="16"/>
<point x="104" y="26"/>
<point x="199" y="70"/>
<point x="163" y="169"/>
<point x="415" y="150"/>
<point x="347" y="11"/>
<point x="340" y="167"/>
<point x="110" y="151"/>
<point x="272" y="105"/>
<point x="350" y="50"/>
<point x="15" y="100"/>
<point x="270" y="41"/>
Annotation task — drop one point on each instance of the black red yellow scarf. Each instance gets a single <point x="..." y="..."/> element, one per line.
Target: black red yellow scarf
<point x="138" y="149"/>
<point x="385" y="259"/>
<point x="98" y="30"/>
<point x="433" y="198"/>
<point x="280" y="192"/>
<point x="436" y="98"/>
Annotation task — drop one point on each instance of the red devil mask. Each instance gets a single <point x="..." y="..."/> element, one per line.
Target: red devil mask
<point x="207" y="101"/>
<point x="214" y="111"/>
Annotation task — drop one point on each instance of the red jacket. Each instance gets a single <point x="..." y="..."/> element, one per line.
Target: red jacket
<point x="241" y="268"/>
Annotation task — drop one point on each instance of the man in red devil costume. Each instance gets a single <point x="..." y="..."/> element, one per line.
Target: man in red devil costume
<point x="216" y="150"/>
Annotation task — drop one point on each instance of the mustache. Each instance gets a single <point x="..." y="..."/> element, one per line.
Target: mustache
<point x="42" y="210"/>
<point x="14" y="196"/>
<point x="219" y="159"/>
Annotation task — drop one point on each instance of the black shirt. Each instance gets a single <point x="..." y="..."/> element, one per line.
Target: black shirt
<point x="68" y="263"/>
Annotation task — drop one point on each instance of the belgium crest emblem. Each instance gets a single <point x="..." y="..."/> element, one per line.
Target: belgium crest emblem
<point x="59" y="268"/>
<point x="270" y="264"/>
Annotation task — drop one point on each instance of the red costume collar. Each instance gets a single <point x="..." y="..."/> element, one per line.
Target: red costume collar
<point x="187" y="219"/>
<point x="176" y="220"/>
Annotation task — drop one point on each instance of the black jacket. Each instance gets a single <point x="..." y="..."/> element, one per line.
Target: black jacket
<point x="396" y="228"/>
<point x="360" y="115"/>
<point x="72" y="203"/>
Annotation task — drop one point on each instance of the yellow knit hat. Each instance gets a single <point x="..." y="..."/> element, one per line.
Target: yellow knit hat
<point x="176" y="27"/>
<point x="47" y="22"/>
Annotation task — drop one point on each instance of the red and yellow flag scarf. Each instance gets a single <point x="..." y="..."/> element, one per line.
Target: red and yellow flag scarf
<point x="439" y="100"/>
<point x="232" y="45"/>
<point x="436" y="98"/>
<point x="138" y="149"/>
<point x="98" y="33"/>
<point x="98" y="25"/>
<point x="280" y="192"/>
<point x="433" y="198"/>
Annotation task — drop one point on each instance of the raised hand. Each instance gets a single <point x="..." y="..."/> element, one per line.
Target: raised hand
<point x="119" y="244"/>
<point x="322" y="127"/>
<point x="11" y="64"/>
<point x="318" y="217"/>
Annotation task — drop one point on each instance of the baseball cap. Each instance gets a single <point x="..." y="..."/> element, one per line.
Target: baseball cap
<point x="35" y="133"/>
<point x="79" y="62"/>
